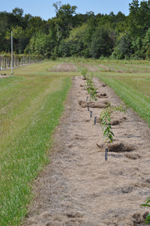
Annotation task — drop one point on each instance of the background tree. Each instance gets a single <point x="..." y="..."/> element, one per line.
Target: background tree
<point x="123" y="48"/>
<point x="101" y="43"/>
<point x="65" y="19"/>
<point x="85" y="35"/>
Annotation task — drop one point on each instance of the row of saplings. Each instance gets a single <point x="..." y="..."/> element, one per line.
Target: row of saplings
<point x="105" y="118"/>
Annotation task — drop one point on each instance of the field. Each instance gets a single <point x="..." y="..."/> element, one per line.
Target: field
<point x="30" y="107"/>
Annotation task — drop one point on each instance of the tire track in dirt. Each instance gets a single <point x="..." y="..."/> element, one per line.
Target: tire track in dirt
<point x="78" y="187"/>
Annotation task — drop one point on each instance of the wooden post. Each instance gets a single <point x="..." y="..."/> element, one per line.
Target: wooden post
<point x="11" y="53"/>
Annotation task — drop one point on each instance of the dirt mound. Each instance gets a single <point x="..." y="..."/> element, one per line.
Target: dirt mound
<point x="91" y="68"/>
<point x="64" y="67"/>
<point x="110" y="69"/>
<point x="102" y="95"/>
<point x="104" y="67"/>
<point x="115" y="119"/>
<point x="78" y="187"/>
<point x="93" y="104"/>
<point x="120" y="147"/>
<point x="132" y="156"/>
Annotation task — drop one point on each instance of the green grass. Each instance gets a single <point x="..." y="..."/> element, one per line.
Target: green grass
<point x="138" y="83"/>
<point x="31" y="104"/>
<point x="127" y="91"/>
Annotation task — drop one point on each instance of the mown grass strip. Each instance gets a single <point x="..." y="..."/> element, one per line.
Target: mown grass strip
<point x="138" y="83"/>
<point x="134" y="99"/>
<point x="24" y="153"/>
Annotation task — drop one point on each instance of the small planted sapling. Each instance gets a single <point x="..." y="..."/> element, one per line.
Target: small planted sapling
<point x="147" y="221"/>
<point x="92" y="91"/>
<point x="84" y="72"/>
<point x="106" y="126"/>
<point x="105" y="121"/>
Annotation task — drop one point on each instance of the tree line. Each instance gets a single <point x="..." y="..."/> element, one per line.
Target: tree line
<point x="79" y="35"/>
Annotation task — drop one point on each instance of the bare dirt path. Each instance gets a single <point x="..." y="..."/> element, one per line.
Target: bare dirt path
<point x="78" y="187"/>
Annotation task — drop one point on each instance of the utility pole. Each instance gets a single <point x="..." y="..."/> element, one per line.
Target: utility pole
<point x="11" y="53"/>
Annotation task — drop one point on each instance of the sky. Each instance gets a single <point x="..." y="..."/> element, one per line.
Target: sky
<point x="45" y="10"/>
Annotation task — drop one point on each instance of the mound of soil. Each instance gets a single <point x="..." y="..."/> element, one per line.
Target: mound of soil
<point x="102" y="95"/>
<point x="91" y="68"/>
<point x="64" y="67"/>
<point x="120" y="147"/>
<point x="110" y="69"/>
<point x="78" y="187"/>
<point x="93" y="104"/>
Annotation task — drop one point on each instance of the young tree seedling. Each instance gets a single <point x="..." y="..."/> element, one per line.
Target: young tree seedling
<point x="84" y="72"/>
<point x="105" y="121"/>
<point x="147" y="205"/>
<point x="92" y="91"/>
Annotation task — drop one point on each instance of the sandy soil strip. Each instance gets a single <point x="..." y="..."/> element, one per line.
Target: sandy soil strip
<point x="91" y="68"/>
<point x="104" y="67"/>
<point x="112" y="69"/>
<point x="64" y="67"/>
<point x="79" y="187"/>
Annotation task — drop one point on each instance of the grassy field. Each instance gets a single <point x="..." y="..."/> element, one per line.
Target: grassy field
<point x="130" y="94"/>
<point x="31" y="103"/>
<point x="133" y="88"/>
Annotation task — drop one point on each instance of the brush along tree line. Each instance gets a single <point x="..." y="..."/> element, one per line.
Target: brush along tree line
<point x="80" y="35"/>
<point x="18" y="59"/>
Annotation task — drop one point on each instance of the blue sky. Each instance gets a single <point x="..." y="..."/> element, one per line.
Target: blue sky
<point x="45" y="10"/>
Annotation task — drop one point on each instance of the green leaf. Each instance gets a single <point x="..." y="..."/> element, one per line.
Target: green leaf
<point x="112" y="133"/>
